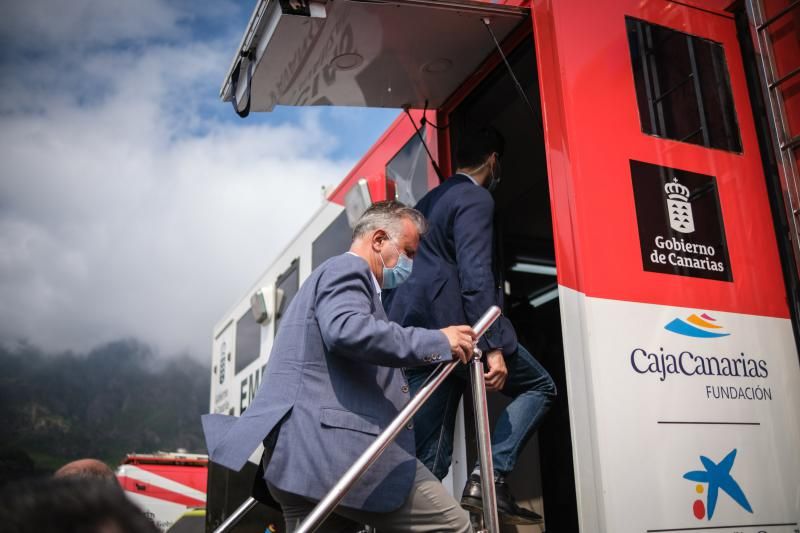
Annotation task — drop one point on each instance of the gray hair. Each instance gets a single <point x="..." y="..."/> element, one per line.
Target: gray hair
<point x="388" y="216"/>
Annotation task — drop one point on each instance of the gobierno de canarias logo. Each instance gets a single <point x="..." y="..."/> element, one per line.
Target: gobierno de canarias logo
<point x="702" y="326"/>
<point x="714" y="478"/>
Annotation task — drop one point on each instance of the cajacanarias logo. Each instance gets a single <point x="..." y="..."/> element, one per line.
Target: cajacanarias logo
<point x="702" y="326"/>
<point x="716" y="477"/>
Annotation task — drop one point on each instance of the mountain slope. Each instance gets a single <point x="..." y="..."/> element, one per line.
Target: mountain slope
<point x="117" y="399"/>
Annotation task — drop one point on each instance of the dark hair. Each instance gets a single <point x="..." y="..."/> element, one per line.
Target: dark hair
<point x="475" y="146"/>
<point x="387" y="215"/>
<point x="70" y="505"/>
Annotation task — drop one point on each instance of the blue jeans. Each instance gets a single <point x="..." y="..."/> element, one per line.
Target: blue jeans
<point x="528" y="385"/>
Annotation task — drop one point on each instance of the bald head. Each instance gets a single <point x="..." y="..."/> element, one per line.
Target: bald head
<point x="86" y="469"/>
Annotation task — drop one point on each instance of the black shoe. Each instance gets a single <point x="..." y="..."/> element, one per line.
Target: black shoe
<point x="507" y="508"/>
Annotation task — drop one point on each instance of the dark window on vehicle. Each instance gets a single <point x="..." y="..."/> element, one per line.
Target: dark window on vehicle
<point x="248" y="340"/>
<point x="409" y="170"/>
<point x="289" y="284"/>
<point x="682" y="86"/>
<point x="334" y="240"/>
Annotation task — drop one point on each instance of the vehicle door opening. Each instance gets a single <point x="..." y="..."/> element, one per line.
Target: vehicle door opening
<point x="543" y="479"/>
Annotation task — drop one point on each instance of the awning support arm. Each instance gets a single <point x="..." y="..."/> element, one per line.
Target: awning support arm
<point x="422" y="140"/>
<point x="517" y="84"/>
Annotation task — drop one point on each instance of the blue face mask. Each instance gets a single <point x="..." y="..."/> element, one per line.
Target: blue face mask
<point x="392" y="277"/>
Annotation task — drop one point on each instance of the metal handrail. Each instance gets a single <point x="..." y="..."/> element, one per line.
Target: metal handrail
<point x="326" y="506"/>
<point x="237" y="515"/>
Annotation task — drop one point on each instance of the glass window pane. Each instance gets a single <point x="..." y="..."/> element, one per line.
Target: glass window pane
<point x="248" y="340"/>
<point x="409" y="170"/>
<point x="334" y="240"/>
<point x="682" y="86"/>
<point x="289" y="283"/>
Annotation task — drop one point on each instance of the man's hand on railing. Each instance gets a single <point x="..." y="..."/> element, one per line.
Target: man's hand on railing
<point x="462" y="341"/>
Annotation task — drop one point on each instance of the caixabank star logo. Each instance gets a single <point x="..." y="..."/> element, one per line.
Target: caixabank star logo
<point x="713" y="479"/>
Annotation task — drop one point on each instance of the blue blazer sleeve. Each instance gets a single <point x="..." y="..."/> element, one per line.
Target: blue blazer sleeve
<point x="344" y="309"/>
<point x="473" y="231"/>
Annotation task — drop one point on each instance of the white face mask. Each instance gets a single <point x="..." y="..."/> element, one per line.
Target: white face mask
<point x="394" y="276"/>
<point x="496" y="176"/>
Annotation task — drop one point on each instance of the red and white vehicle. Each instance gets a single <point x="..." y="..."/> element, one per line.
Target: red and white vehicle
<point x="165" y="484"/>
<point x="649" y="209"/>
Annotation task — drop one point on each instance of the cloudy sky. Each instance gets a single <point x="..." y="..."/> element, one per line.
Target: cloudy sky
<point x="133" y="203"/>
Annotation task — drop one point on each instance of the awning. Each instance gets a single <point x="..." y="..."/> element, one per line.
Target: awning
<point x="366" y="53"/>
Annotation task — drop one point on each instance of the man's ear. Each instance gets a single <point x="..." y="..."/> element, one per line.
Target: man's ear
<point x="377" y="239"/>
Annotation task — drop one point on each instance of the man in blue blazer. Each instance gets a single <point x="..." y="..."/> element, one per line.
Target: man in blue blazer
<point x="455" y="278"/>
<point x="333" y="383"/>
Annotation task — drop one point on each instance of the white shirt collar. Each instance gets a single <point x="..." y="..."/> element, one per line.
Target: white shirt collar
<point x="467" y="175"/>
<point x="374" y="279"/>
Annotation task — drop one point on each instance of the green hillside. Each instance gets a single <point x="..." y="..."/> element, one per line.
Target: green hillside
<point x="117" y="399"/>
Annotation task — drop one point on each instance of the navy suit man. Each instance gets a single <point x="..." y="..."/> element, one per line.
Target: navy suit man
<point x="333" y="383"/>
<point x="455" y="278"/>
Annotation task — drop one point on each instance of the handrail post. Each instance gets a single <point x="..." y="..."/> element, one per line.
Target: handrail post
<point x="482" y="429"/>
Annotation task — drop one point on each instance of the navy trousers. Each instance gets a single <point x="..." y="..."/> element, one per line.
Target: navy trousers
<point x="530" y="388"/>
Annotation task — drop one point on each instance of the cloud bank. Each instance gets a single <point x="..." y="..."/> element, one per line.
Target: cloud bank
<point x="132" y="202"/>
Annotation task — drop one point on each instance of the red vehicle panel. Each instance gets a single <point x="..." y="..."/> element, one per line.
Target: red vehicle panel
<point x="594" y="131"/>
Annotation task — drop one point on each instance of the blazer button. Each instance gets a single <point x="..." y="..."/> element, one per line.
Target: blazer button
<point x="404" y="388"/>
<point x="410" y="426"/>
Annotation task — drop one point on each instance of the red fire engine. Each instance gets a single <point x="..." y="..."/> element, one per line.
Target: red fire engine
<point x="165" y="484"/>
